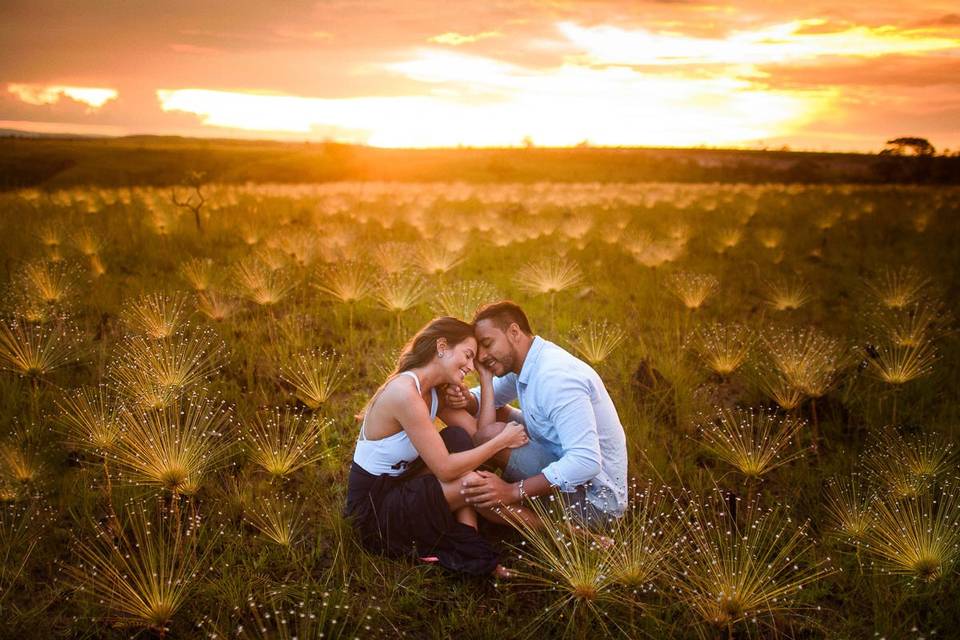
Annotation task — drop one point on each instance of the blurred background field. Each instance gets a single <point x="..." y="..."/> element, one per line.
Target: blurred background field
<point x="184" y="361"/>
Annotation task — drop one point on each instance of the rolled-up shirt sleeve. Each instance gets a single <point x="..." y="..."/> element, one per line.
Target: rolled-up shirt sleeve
<point x="504" y="391"/>
<point x="571" y="413"/>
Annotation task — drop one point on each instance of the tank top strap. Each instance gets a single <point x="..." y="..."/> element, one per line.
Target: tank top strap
<point x="416" y="379"/>
<point x="434" y="402"/>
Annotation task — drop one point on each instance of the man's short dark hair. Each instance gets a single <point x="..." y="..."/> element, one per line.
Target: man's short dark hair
<point x="503" y="314"/>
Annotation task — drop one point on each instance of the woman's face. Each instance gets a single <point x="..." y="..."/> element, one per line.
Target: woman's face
<point x="457" y="361"/>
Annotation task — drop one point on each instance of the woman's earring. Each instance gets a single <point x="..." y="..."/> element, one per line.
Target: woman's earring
<point x="439" y="354"/>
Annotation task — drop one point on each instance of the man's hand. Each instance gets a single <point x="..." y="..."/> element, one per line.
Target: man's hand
<point x="489" y="491"/>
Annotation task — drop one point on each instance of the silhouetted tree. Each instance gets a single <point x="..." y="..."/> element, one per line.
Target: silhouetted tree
<point x="901" y="146"/>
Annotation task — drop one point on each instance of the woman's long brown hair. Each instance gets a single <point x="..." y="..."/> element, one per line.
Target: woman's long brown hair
<point x="421" y="348"/>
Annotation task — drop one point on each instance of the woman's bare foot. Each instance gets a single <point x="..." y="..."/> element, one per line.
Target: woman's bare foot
<point x="502" y="572"/>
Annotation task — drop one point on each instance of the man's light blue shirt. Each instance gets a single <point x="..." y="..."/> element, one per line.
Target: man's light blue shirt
<point x="567" y="409"/>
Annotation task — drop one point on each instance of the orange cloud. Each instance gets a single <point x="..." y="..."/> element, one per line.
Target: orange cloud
<point x="93" y="97"/>
<point x="455" y="39"/>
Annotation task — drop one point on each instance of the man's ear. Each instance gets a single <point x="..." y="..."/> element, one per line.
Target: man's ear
<point x="513" y="332"/>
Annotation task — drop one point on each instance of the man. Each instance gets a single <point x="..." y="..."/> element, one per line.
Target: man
<point x="577" y="443"/>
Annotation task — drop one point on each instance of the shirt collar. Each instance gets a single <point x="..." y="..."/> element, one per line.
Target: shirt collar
<point x="530" y="362"/>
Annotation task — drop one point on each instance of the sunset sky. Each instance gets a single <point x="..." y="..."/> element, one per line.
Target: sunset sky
<point x="815" y="75"/>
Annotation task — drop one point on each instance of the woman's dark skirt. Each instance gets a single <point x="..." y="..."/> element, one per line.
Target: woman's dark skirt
<point x="407" y="515"/>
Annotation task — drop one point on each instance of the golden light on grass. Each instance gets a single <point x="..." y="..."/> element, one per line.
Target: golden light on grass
<point x="282" y="441"/>
<point x="752" y="441"/>
<point x="915" y="324"/>
<point x="897" y="288"/>
<point x="90" y="418"/>
<point x="143" y="567"/>
<point x="807" y="358"/>
<point x="153" y="373"/>
<point x="787" y="293"/>
<point x="174" y="448"/>
<point x="727" y="238"/>
<point x="917" y="537"/>
<point x="749" y="567"/>
<point x="20" y="462"/>
<point x="463" y="298"/>
<point x="596" y="340"/>
<point x="770" y="237"/>
<point x="156" y="315"/>
<point x="723" y="347"/>
<point x="692" y="289"/>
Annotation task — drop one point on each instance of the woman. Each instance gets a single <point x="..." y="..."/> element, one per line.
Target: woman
<point x="398" y="509"/>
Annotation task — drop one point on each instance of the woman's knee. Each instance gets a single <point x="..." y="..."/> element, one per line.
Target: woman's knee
<point x="488" y="432"/>
<point x="457" y="439"/>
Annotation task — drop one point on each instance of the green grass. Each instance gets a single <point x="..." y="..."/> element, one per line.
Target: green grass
<point x="659" y="384"/>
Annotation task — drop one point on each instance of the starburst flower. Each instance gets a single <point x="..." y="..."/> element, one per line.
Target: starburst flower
<point x="723" y="347"/>
<point x="807" y="358"/>
<point x="914" y="324"/>
<point x="437" y="259"/>
<point x="198" y="272"/>
<point x="847" y="502"/>
<point x="728" y="238"/>
<point x="153" y="373"/>
<point x="643" y="538"/>
<point x="173" y="448"/>
<point x="44" y="283"/>
<point x="395" y="257"/>
<point x="897" y="365"/>
<point x="90" y="418"/>
<point x="595" y="340"/>
<point x="897" y="288"/>
<point x="260" y="284"/>
<point x="770" y="237"/>
<point x="907" y="464"/>
<point x="155" y="315"/>
<point x="347" y="282"/>
<point x="399" y="292"/>
<point x="282" y="441"/>
<point x="278" y="518"/>
<point x="785" y="293"/>
<point x="463" y="298"/>
<point x="753" y="441"/>
<point x="87" y="242"/>
<point x="36" y="351"/>
<point x="550" y="275"/>
<point x="692" y="289"/>
<point x="918" y="537"/>
<point x="216" y="305"/>
<point x="749" y="566"/>
<point x="144" y="567"/>
<point x="560" y="557"/>
<point x="315" y="376"/>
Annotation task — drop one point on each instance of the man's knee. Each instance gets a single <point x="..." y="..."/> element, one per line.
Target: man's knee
<point x="457" y="439"/>
<point x="488" y="432"/>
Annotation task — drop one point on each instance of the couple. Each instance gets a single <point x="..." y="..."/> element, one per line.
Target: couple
<point x="415" y="491"/>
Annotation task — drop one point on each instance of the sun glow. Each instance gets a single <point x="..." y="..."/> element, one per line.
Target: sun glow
<point x="611" y="86"/>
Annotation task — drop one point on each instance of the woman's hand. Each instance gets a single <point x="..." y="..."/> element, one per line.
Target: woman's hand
<point x="514" y="435"/>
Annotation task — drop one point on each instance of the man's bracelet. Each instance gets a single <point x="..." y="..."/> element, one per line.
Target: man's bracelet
<point x="523" y="493"/>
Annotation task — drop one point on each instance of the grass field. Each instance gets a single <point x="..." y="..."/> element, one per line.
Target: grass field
<point x="180" y="386"/>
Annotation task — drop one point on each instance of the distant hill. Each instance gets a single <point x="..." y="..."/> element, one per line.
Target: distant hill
<point x="17" y="133"/>
<point x="57" y="161"/>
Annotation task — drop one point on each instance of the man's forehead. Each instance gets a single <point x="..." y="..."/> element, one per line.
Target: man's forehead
<point x="486" y="328"/>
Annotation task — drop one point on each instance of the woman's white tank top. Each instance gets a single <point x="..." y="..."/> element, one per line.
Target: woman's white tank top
<point x="392" y="454"/>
